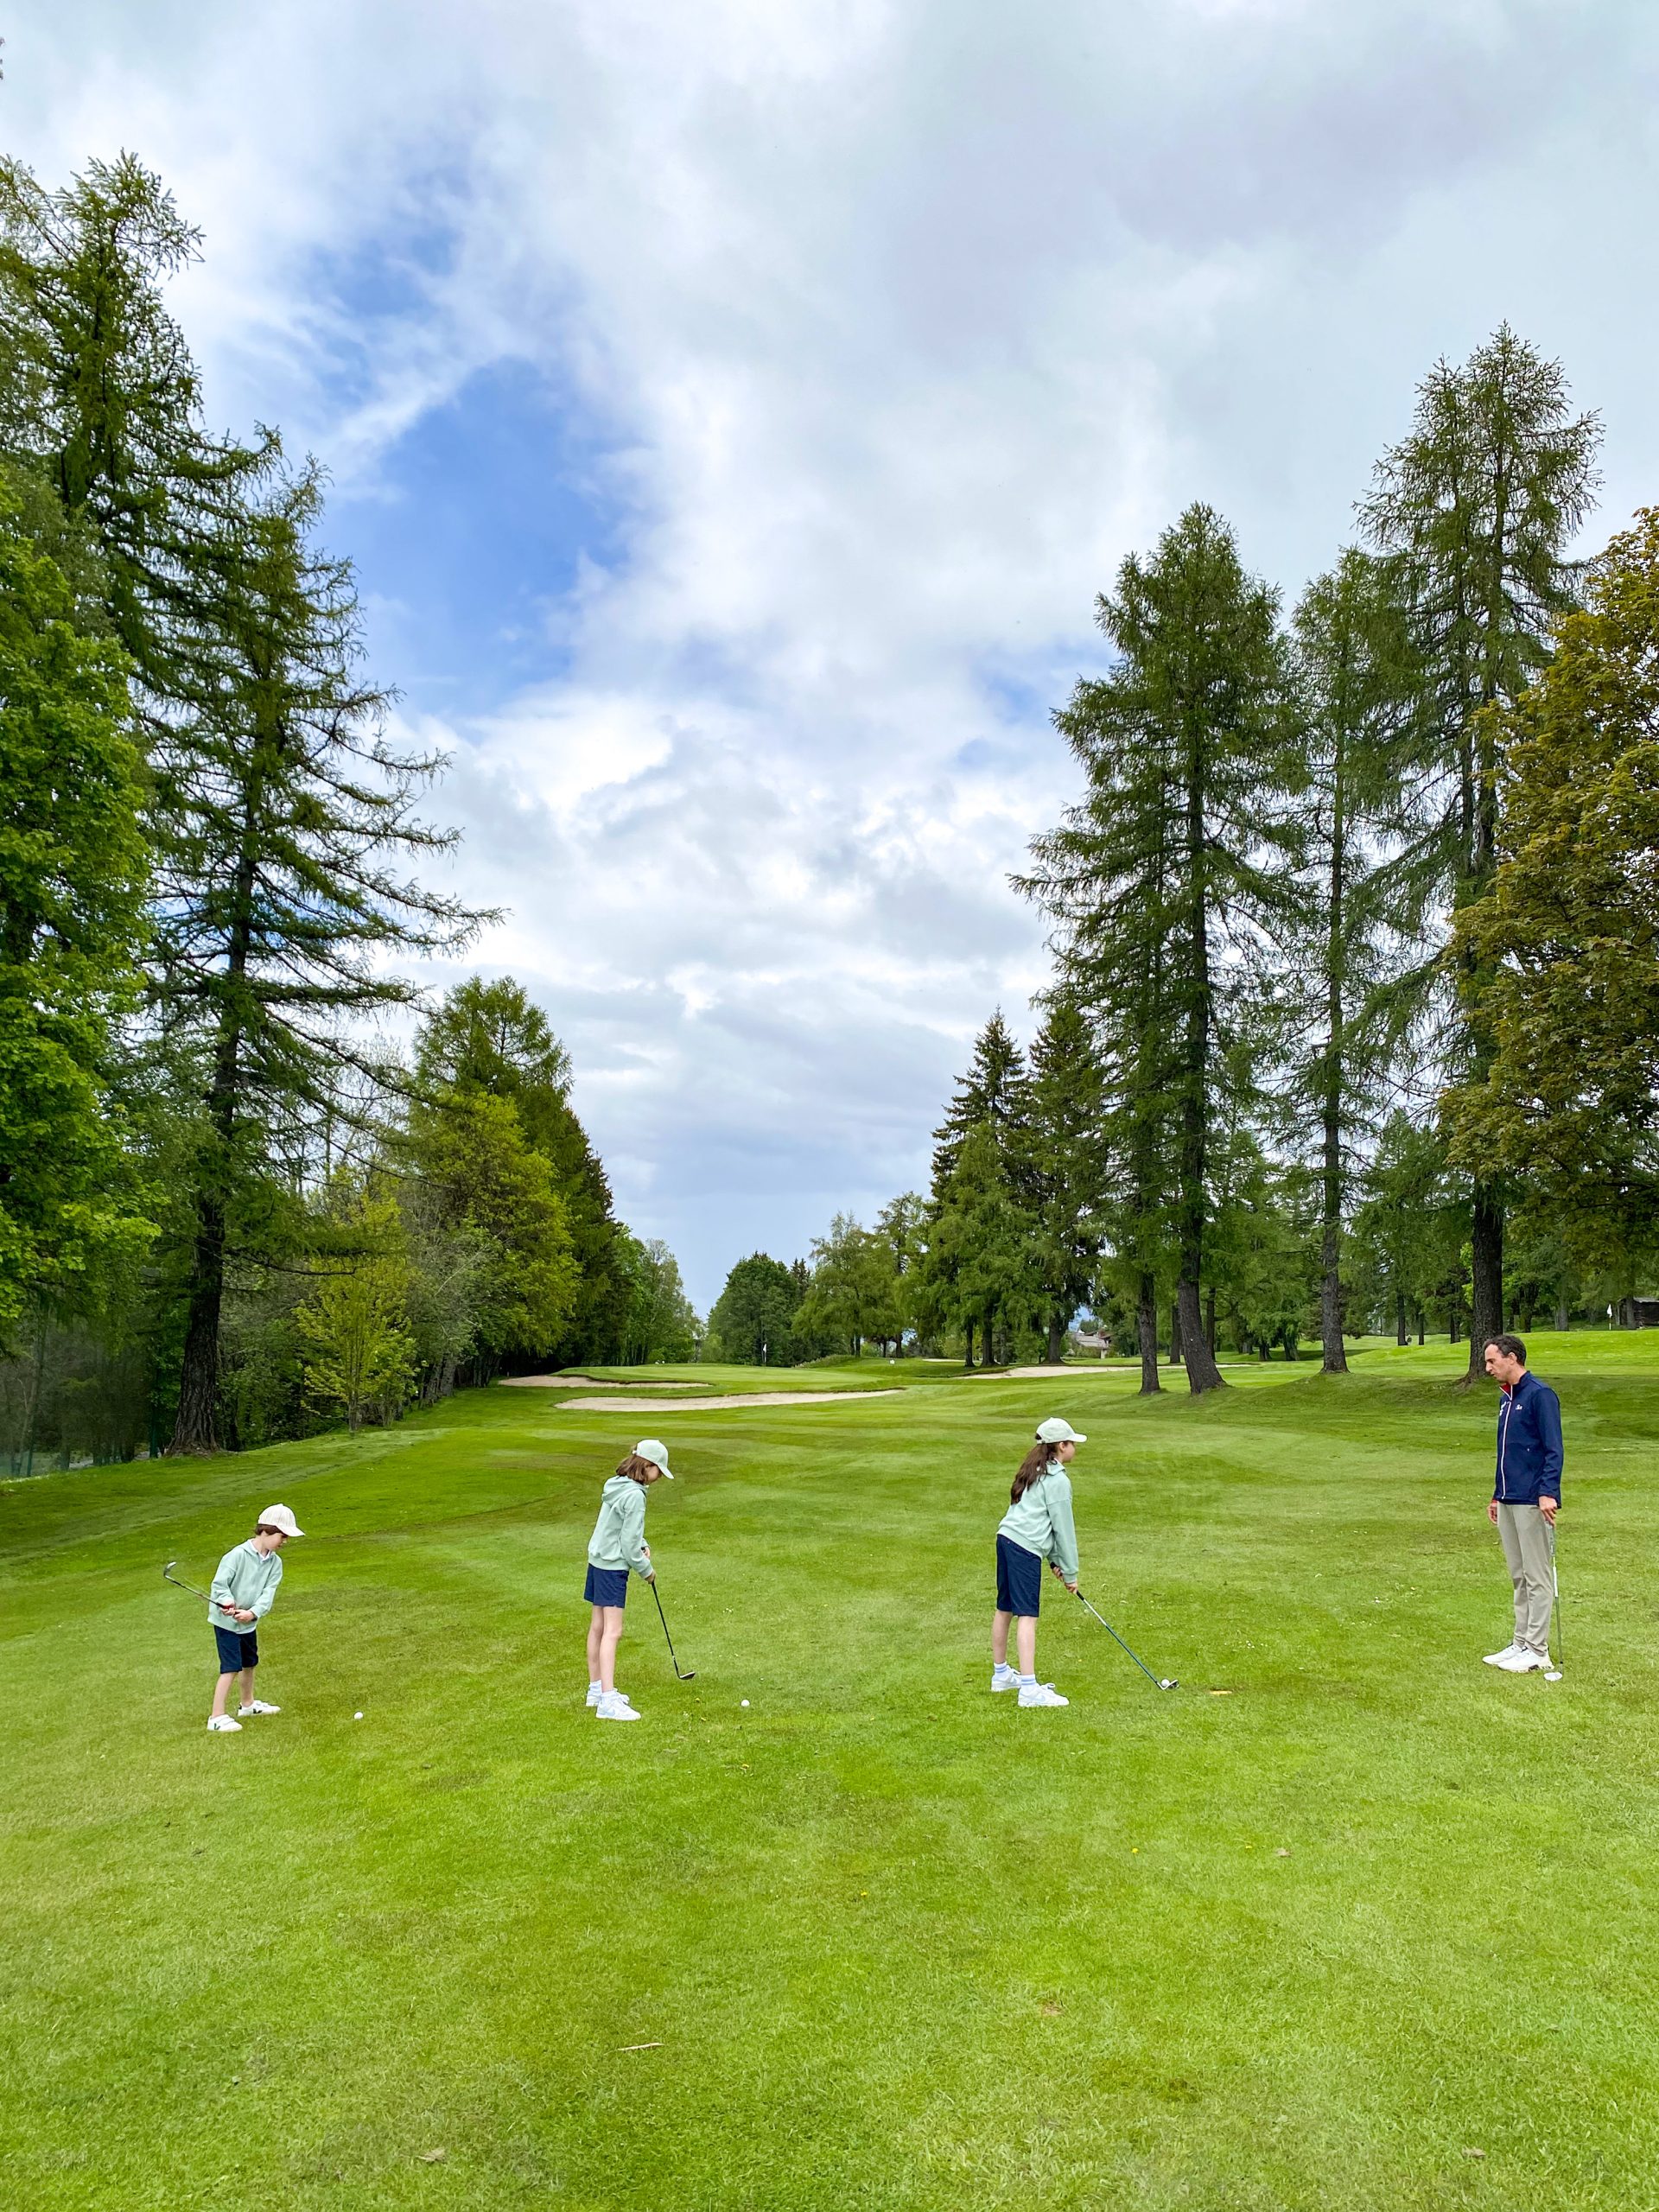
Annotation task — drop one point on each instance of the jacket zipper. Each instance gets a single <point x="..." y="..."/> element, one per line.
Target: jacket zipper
<point x="1503" y="1448"/>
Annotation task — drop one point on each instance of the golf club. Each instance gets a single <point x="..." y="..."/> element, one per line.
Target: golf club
<point x="1554" y="1673"/>
<point x="684" y="1676"/>
<point x="1158" y="1681"/>
<point x="168" y="1575"/>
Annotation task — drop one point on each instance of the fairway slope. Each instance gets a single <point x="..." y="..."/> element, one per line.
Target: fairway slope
<point x="873" y="1938"/>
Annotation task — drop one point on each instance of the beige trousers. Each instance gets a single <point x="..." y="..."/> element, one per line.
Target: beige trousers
<point x="1527" y="1548"/>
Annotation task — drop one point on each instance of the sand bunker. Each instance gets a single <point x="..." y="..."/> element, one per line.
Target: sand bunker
<point x="604" y="1383"/>
<point x="706" y="1405"/>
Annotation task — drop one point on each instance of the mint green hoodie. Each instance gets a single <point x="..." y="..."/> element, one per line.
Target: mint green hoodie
<point x="619" y="1538"/>
<point x="1041" y="1522"/>
<point x="248" y="1577"/>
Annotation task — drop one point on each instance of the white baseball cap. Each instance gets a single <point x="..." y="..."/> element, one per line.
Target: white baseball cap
<point x="655" y="1451"/>
<point x="1056" y="1430"/>
<point x="278" y="1517"/>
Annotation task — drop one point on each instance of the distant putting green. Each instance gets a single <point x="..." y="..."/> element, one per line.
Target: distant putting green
<point x="1374" y="1931"/>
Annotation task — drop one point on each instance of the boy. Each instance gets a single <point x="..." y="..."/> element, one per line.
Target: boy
<point x="241" y="1594"/>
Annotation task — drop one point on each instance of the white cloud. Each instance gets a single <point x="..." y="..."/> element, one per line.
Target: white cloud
<point x="901" y="321"/>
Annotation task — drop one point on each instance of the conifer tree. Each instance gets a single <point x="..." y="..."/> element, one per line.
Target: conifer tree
<point x="1475" y="511"/>
<point x="1366" y="883"/>
<point x="1065" y="1104"/>
<point x="1165" y="880"/>
<point x="279" y="896"/>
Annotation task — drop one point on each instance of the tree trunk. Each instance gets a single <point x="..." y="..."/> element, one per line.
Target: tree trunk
<point x="1056" y="1340"/>
<point x="1336" y="1355"/>
<point x="1422" y="1327"/>
<point x="1486" y="1276"/>
<point x="967" y="1335"/>
<point x="1202" y="1373"/>
<point x="1175" y="1333"/>
<point x="1399" y="1317"/>
<point x="195" y="1429"/>
<point x="1146" y="1331"/>
<point x="1560" y="1314"/>
<point x="988" y="1338"/>
<point x="1454" y="1323"/>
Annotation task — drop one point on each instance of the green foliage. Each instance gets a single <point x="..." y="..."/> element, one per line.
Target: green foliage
<point x="856" y="1290"/>
<point x="471" y="1151"/>
<point x="72" y="884"/>
<point x="358" y="1352"/>
<point x="752" y="1321"/>
<point x="1562" y="951"/>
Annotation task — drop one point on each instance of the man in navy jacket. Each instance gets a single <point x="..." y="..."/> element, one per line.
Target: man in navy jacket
<point x="1526" y="1498"/>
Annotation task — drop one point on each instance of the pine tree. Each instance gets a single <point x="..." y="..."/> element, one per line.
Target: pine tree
<point x="989" y="1101"/>
<point x="1367" y="885"/>
<point x="287" y="809"/>
<point x="72" y="882"/>
<point x="1066" y="1104"/>
<point x="1165" y="880"/>
<point x="1474" y="511"/>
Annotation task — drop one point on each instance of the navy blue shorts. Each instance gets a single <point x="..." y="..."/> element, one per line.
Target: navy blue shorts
<point x="606" y="1586"/>
<point x="237" y="1647"/>
<point x="1019" y="1579"/>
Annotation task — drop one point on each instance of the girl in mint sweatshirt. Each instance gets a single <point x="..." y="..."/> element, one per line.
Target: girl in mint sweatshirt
<point x="617" y="1549"/>
<point x="1037" y="1528"/>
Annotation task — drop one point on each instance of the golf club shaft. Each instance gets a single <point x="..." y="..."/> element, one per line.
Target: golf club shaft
<point x="1116" y="1638"/>
<point x="168" y="1575"/>
<point x="663" y="1617"/>
<point x="1555" y="1592"/>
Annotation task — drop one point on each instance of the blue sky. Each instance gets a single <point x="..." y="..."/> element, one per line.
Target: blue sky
<point x="733" y="409"/>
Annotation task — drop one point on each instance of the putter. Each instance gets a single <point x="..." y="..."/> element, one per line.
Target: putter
<point x="1158" y="1681"/>
<point x="168" y="1575"/>
<point x="684" y="1676"/>
<point x="1554" y="1673"/>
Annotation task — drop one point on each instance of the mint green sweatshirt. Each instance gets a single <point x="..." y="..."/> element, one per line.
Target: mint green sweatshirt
<point x="1042" y="1522"/>
<point x="247" y="1577"/>
<point x="619" y="1538"/>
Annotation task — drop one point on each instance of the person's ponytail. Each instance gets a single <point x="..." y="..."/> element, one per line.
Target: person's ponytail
<point x="1033" y="1468"/>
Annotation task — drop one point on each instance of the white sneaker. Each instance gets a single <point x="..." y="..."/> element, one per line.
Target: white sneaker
<point x="1004" y="1677"/>
<point x="258" y="1706"/>
<point x="613" y="1707"/>
<point x="222" y="1725"/>
<point x="1501" y="1658"/>
<point x="593" y="1693"/>
<point x="1523" y="1663"/>
<point x="1041" y="1694"/>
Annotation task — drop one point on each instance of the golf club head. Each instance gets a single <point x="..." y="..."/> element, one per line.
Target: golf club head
<point x="167" y="1571"/>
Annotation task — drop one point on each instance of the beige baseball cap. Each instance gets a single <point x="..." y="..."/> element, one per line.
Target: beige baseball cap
<point x="1056" y="1430"/>
<point x="278" y="1517"/>
<point x="655" y="1451"/>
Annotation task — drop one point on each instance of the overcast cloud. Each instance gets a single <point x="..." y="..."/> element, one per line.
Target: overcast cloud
<point x="735" y="407"/>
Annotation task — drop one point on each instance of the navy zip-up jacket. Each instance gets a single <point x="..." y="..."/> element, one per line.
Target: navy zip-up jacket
<point x="1529" y="1443"/>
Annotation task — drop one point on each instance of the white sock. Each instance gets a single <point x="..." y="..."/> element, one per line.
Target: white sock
<point x="1028" y="1678"/>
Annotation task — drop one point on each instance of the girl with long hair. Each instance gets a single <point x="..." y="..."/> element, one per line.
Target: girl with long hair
<point x="1037" y="1527"/>
<point x="618" y="1548"/>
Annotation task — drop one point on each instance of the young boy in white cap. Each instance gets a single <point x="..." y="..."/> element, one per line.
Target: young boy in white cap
<point x="1037" y="1526"/>
<point x="239" y="1598"/>
<point x="618" y="1548"/>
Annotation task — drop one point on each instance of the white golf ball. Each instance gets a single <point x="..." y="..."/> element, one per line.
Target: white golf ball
<point x="357" y="1716"/>
<point x="744" y="1700"/>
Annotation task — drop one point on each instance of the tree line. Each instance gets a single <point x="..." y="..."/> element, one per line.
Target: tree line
<point x="230" y="1207"/>
<point x="1354" y="1020"/>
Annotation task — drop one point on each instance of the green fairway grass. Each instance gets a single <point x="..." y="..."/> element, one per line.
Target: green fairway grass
<point x="1376" y="1930"/>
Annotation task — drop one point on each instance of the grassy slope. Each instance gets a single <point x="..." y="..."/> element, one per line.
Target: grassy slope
<point x="901" y="1944"/>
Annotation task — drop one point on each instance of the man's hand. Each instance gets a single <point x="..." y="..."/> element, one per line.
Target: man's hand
<point x="1549" y="1507"/>
<point x="1071" y="1588"/>
<point x="649" y="1575"/>
<point x="243" y="1612"/>
<point x="228" y="1606"/>
<point x="1491" y="1512"/>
